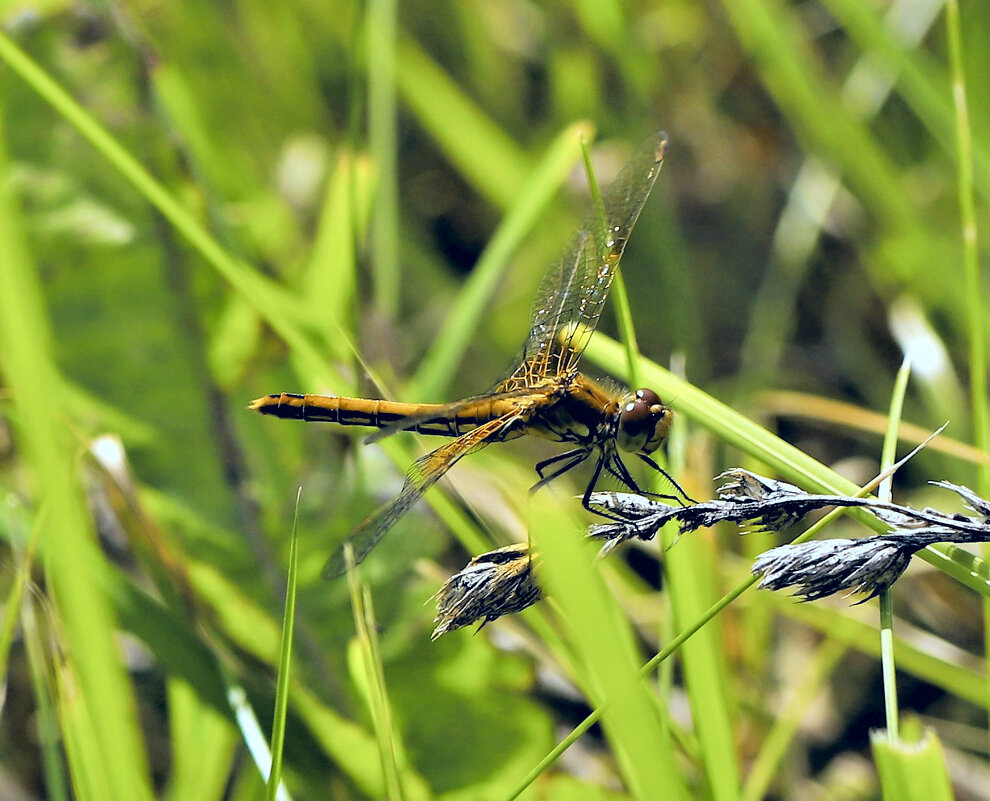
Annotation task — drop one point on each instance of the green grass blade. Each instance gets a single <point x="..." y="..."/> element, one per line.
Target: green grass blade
<point x="204" y="744"/>
<point x="912" y="772"/>
<point x="252" y="735"/>
<point x="330" y="278"/>
<point x="169" y="636"/>
<point x="267" y="297"/>
<point x="887" y="458"/>
<point x="284" y="662"/>
<point x="481" y="150"/>
<point x="920" y="80"/>
<point x="972" y="278"/>
<point x="889" y="451"/>
<point x="603" y="642"/>
<point x="27" y="356"/>
<point x="597" y="204"/>
<point x="366" y="652"/>
<point x="352" y="749"/>
<point x="444" y="356"/>
<point x="56" y="781"/>
<point x="691" y="567"/>
<point x="382" y="25"/>
<point x="771" y="34"/>
<point x="24" y="563"/>
<point x="8" y="626"/>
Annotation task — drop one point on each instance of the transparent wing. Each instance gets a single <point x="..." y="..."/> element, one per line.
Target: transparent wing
<point x="424" y="473"/>
<point x="572" y="293"/>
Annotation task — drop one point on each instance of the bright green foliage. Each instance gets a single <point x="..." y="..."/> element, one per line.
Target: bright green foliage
<point x="203" y="203"/>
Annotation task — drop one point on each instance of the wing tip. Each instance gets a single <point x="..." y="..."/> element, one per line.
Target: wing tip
<point x="335" y="567"/>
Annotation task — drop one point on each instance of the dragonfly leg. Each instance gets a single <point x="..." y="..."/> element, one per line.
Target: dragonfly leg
<point x="558" y="458"/>
<point x="571" y="460"/>
<point x="669" y="478"/>
<point x="601" y="464"/>
<point x="618" y="469"/>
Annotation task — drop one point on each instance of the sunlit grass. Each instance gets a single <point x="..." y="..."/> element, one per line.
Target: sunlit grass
<point x="320" y="176"/>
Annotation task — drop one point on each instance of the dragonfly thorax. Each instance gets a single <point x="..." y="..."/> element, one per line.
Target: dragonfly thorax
<point x="643" y="423"/>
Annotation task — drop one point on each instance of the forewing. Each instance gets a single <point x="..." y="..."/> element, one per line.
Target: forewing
<point x="572" y="293"/>
<point x="424" y="473"/>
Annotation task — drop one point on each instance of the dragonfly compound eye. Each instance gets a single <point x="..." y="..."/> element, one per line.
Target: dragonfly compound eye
<point x="643" y="423"/>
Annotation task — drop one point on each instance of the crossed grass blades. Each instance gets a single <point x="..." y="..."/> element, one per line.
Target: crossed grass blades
<point x="502" y="581"/>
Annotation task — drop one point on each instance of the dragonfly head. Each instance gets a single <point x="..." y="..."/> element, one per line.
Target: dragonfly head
<point x="643" y="423"/>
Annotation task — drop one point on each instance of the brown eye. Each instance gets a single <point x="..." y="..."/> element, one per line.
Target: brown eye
<point x="649" y="397"/>
<point x="643" y="423"/>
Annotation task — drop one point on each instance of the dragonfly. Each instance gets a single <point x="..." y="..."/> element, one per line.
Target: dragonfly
<point x="543" y="395"/>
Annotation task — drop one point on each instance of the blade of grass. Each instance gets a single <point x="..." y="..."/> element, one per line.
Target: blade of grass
<point x="690" y="565"/>
<point x="919" y="79"/>
<point x="785" y="403"/>
<point x="330" y="278"/>
<point x="252" y="735"/>
<point x="972" y="281"/>
<point x="367" y="653"/>
<point x="971" y="267"/>
<point x="352" y="748"/>
<point x="277" y="307"/>
<point x="24" y="564"/>
<point x="169" y="636"/>
<point x="606" y="655"/>
<point x="597" y="204"/>
<point x="253" y="629"/>
<point x="219" y="172"/>
<point x="67" y="541"/>
<point x="887" y="456"/>
<point x="204" y="744"/>
<point x="911" y="772"/>
<point x="444" y="355"/>
<point x="56" y="782"/>
<point x="673" y="458"/>
<point x="284" y="662"/>
<point x="487" y="157"/>
<point x="776" y="42"/>
<point x="381" y="33"/>
<point x="691" y="568"/>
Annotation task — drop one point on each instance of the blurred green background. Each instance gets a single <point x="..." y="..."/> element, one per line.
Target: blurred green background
<point x="352" y="162"/>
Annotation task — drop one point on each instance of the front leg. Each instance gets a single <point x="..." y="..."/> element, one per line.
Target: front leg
<point x="669" y="478"/>
<point x="601" y="464"/>
<point x="573" y="459"/>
